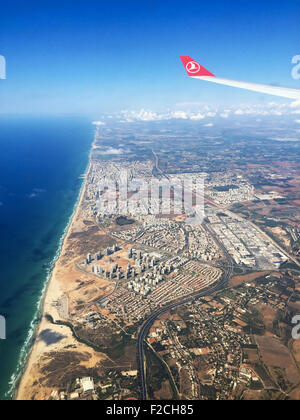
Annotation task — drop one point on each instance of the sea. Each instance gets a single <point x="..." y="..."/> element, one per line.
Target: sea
<point x="41" y="163"/>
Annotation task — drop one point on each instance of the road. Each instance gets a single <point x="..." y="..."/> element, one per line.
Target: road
<point x="156" y="164"/>
<point x="147" y="324"/>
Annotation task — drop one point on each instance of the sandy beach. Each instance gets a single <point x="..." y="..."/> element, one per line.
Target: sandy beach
<point x="51" y="338"/>
<point x="52" y="294"/>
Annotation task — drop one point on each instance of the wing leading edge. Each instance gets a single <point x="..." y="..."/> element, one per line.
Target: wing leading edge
<point x="196" y="71"/>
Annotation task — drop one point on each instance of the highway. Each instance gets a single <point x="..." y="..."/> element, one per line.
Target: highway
<point x="147" y="324"/>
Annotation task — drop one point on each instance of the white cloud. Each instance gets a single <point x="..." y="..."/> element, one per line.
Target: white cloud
<point x="36" y="192"/>
<point x="200" y="112"/>
<point x="112" y="151"/>
<point x="146" y="115"/>
<point x="98" y="123"/>
<point x="260" y="110"/>
<point x="295" y="104"/>
<point x="209" y="125"/>
<point x="141" y="115"/>
<point x="197" y="116"/>
<point x="177" y="114"/>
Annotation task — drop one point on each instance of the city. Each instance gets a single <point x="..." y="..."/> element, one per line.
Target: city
<point x="176" y="300"/>
<point x="149" y="203"/>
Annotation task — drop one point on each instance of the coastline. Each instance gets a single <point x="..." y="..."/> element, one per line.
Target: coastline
<point x="50" y="291"/>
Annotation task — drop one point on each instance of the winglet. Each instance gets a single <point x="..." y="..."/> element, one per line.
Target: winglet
<point x="193" y="68"/>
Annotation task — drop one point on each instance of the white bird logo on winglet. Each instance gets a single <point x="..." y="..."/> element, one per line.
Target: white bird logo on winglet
<point x="193" y="67"/>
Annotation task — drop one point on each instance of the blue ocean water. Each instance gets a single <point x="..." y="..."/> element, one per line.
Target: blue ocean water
<point x="41" y="160"/>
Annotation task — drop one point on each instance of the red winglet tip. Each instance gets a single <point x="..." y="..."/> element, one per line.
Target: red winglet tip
<point x="193" y="68"/>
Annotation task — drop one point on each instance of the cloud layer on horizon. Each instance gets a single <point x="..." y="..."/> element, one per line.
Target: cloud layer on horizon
<point x="207" y="114"/>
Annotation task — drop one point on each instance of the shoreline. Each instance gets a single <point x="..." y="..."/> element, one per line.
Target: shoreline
<point x="20" y="380"/>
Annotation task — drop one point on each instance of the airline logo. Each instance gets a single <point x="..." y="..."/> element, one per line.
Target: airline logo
<point x="192" y="67"/>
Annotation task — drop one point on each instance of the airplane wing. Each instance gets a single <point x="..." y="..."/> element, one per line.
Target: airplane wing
<point x="195" y="70"/>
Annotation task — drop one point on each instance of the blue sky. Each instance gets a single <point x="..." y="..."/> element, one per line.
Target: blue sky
<point x="91" y="57"/>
